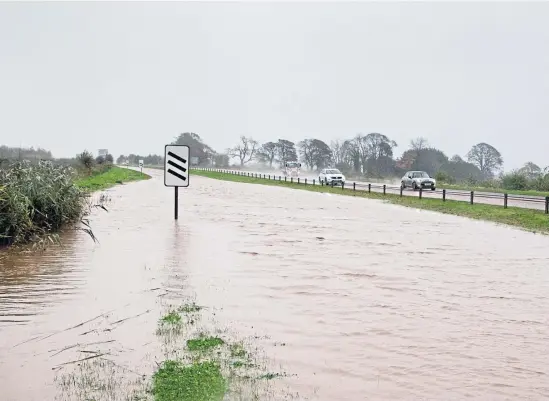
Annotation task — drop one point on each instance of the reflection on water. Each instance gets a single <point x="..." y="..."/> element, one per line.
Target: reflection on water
<point x="360" y="299"/>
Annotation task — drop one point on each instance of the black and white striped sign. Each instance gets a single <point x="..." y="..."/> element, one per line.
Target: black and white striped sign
<point x="176" y="166"/>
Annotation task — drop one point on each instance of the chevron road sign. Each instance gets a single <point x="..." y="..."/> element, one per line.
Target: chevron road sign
<point x="176" y="170"/>
<point x="176" y="166"/>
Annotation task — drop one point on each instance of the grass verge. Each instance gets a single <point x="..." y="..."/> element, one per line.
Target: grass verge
<point x="109" y="178"/>
<point x="526" y="219"/>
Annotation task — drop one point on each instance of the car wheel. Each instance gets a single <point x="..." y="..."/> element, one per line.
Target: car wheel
<point x="433" y="188"/>
<point x="414" y="186"/>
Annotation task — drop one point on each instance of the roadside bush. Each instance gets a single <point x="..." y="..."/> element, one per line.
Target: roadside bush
<point x="86" y="159"/>
<point x="444" y="177"/>
<point x="515" y="181"/>
<point x="36" y="200"/>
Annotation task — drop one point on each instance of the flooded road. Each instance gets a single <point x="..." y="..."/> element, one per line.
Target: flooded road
<point x="357" y="298"/>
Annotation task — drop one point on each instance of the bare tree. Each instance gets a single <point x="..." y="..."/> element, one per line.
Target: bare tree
<point x="245" y="150"/>
<point x="419" y="143"/>
<point x="486" y="158"/>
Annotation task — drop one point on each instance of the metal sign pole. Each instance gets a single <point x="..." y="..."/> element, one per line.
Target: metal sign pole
<point x="176" y="205"/>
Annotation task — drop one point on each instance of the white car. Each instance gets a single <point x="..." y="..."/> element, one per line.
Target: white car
<point x="417" y="180"/>
<point x="331" y="175"/>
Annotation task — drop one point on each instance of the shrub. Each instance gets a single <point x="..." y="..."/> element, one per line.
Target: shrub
<point x="86" y="159"/>
<point x="515" y="181"/>
<point x="36" y="200"/>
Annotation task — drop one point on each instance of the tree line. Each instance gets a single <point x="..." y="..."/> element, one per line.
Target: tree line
<point x="371" y="156"/>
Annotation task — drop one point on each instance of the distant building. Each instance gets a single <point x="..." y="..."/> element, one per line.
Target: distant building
<point x="102" y="152"/>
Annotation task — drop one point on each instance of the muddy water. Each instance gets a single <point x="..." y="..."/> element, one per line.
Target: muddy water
<point x="359" y="299"/>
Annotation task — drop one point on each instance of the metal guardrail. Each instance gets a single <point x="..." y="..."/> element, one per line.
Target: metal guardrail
<point x="383" y="188"/>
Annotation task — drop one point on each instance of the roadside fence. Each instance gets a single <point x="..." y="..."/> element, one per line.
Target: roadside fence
<point x="470" y="196"/>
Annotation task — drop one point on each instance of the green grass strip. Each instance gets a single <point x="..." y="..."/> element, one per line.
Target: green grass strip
<point x="109" y="178"/>
<point x="526" y="219"/>
<point x="200" y="381"/>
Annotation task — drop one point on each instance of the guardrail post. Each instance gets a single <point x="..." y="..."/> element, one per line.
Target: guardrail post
<point x="505" y="197"/>
<point x="401" y="189"/>
<point x="279" y="178"/>
<point x="547" y="205"/>
<point x="369" y="187"/>
<point x="291" y="180"/>
<point x="444" y="195"/>
<point x="384" y="189"/>
<point x="472" y="196"/>
<point x="305" y="181"/>
<point x="298" y="180"/>
<point x="420" y="192"/>
<point x="342" y="186"/>
<point x="269" y="176"/>
<point x="332" y="183"/>
<point x="313" y="181"/>
<point x="285" y="178"/>
<point x="354" y="186"/>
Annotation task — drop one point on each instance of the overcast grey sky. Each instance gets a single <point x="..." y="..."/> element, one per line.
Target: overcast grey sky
<point x="131" y="76"/>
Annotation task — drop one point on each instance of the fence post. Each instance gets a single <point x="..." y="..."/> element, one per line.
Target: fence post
<point x="472" y="196"/>
<point x="505" y="196"/>
<point x="298" y="180"/>
<point x="547" y="205"/>
<point x="444" y="195"/>
<point x="384" y="189"/>
<point x="305" y="181"/>
<point x="332" y="183"/>
<point x="291" y="180"/>
<point x="369" y="187"/>
<point x="285" y="178"/>
<point x="279" y="178"/>
<point x="420" y="192"/>
<point x="342" y="186"/>
<point x="354" y="186"/>
<point x="401" y="189"/>
<point x="313" y="181"/>
<point x="269" y="176"/>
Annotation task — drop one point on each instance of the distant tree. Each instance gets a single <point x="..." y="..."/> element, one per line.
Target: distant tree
<point x="461" y="171"/>
<point x="245" y="150"/>
<point x="315" y="153"/>
<point x="221" y="160"/>
<point x="99" y="160"/>
<point x="424" y="159"/>
<point x="530" y="170"/>
<point x="285" y="151"/>
<point x="457" y="159"/>
<point x="199" y="149"/>
<point x="419" y="143"/>
<point x="380" y="154"/>
<point x="267" y="153"/>
<point x="121" y="159"/>
<point x="486" y="158"/>
<point x="86" y="159"/>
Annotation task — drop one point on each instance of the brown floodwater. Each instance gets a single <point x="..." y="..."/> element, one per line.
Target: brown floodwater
<point x="357" y="298"/>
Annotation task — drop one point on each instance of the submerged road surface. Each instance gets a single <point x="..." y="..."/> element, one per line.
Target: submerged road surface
<point x="357" y="298"/>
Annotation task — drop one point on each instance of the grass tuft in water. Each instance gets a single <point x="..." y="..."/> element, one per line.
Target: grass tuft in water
<point x="204" y="343"/>
<point x="172" y="317"/>
<point x="190" y="308"/>
<point x="201" y="381"/>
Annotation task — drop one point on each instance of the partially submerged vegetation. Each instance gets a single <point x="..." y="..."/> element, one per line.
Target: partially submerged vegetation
<point x="200" y="364"/>
<point x="38" y="198"/>
<point x="528" y="219"/>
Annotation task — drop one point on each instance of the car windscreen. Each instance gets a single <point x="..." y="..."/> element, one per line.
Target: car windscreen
<point x="333" y="172"/>
<point x="420" y="175"/>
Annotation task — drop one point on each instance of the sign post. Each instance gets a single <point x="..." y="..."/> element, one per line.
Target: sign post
<point x="176" y="170"/>
<point x="141" y="165"/>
